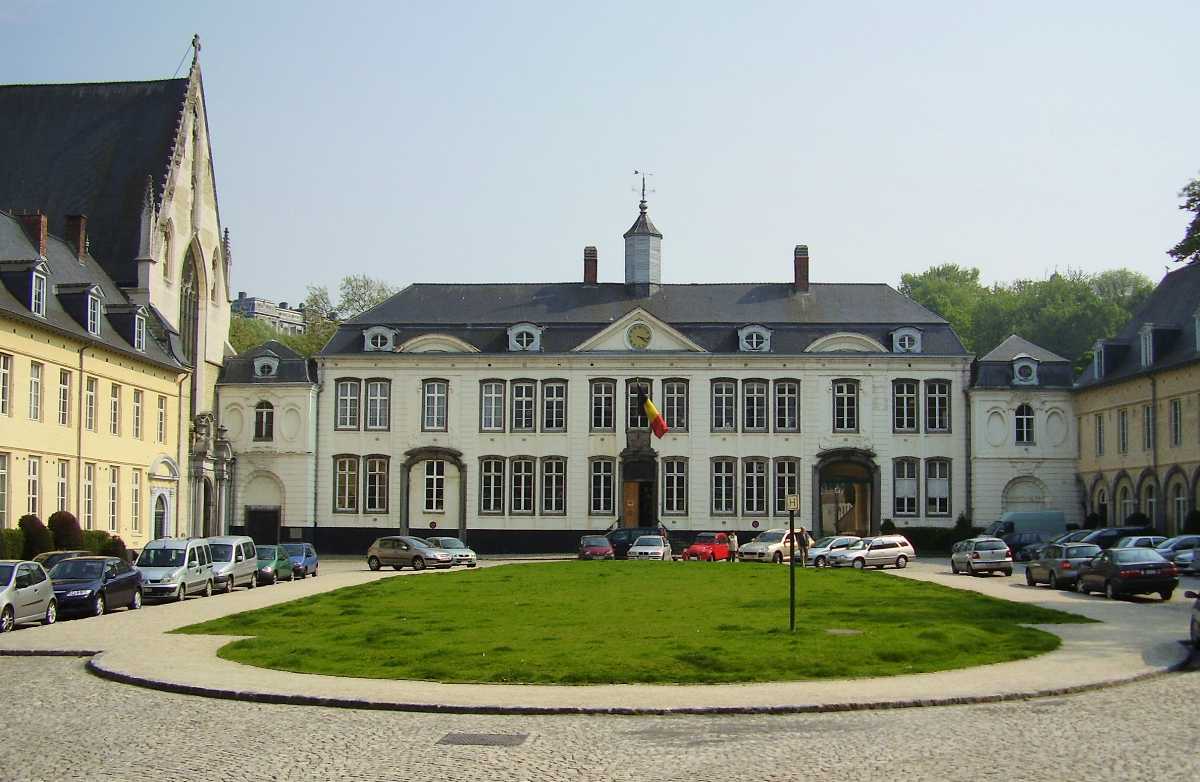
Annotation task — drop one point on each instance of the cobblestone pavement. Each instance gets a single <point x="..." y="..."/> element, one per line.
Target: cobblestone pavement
<point x="64" y="724"/>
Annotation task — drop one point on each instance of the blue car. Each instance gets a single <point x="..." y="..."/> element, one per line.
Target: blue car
<point x="304" y="558"/>
<point x="95" y="585"/>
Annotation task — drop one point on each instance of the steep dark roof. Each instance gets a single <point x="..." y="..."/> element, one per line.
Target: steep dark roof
<point x="88" y="149"/>
<point x="642" y="225"/>
<point x="1015" y="346"/>
<point x="995" y="370"/>
<point x="1171" y="308"/>
<point x="293" y="367"/>
<point x="65" y="272"/>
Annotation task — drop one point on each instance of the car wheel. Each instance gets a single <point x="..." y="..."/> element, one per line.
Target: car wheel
<point x="181" y="593"/>
<point x="98" y="606"/>
<point x="418" y="563"/>
<point x="860" y="564"/>
<point x="820" y="562"/>
<point x="1007" y="573"/>
<point x="373" y="563"/>
<point x="1030" y="580"/>
<point x="274" y="577"/>
<point x="1195" y="631"/>
<point x="208" y="589"/>
<point x="6" y="619"/>
<point x="1166" y="594"/>
<point x="1109" y="591"/>
<point x="136" y="602"/>
<point x="1080" y="587"/>
<point x="954" y="569"/>
<point x="229" y="585"/>
<point x="51" y="615"/>
<point x="1053" y="581"/>
<point x="253" y="581"/>
<point x="778" y="558"/>
<point x="901" y="561"/>
<point x="315" y="571"/>
<point x="971" y="570"/>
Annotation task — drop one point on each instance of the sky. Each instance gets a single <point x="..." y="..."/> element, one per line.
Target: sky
<point x="490" y="142"/>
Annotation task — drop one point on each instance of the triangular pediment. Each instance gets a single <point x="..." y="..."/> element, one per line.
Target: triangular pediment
<point x="627" y="335"/>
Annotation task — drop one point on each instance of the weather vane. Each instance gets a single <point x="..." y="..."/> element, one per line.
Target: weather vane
<point x="643" y="175"/>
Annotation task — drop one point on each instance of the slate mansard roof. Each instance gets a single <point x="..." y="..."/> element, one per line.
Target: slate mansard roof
<point x="995" y="370"/>
<point x="88" y="149"/>
<point x="293" y="367"/>
<point x="708" y="314"/>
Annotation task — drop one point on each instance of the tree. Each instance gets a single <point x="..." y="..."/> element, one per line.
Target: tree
<point x="1188" y="248"/>
<point x="246" y="333"/>
<point x="1125" y="288"/>
<point x="64" y="528"/>
<point x="37" y="537"/>
<point x="951" y="291"/>
<point x="359" y="293"/>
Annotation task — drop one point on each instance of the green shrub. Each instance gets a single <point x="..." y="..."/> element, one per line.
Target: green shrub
<point x="36" y="537"/>
<point x="887" y="527"/>
<point x="1093" y="521"/>
<point x="1137" y="519"/>
<point x="931" y="541"/>
<point x="65" y="530"/>
<point x="963" y="525"/>
<point x="12" y="544"/>
<point x="114" y="547"/>
<point x="94" y="540"/>
<point x="1191" y="525"/>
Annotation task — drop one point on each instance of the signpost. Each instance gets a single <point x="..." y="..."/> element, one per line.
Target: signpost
<point x="792" y="505"/>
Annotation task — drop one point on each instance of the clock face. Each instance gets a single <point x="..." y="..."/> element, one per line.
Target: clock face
<point x="638" y="336"/>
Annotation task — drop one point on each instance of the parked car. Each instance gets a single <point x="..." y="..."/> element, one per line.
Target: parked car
<point x="48" y="559"/>
<point x="984" y="554"/>
<point x="1059" y="564"/>
<point x="235" y="562"/>
<point x="875" y="552"/>
<point x="623" y="537"/>
<point x="274" y="565"/>
<point x="1140" y="541"/>
<point x="304" y="558"/>
<point x="1022" y="529"/>
<point x="96" y="585"/>
<point x="26" y="594"/>
<point x="401" y="550"/>
<point x="708" y="547"/>
<point x="1128" y="571"/>
<point x="458" y="550"/>
<point x="595" y="547"/>
<point x="818" y="553"/>
<point x="650" y="547"/>
<point x="773" y="545"/>
<point x="1026" y="545"/>
<point x="1171" y="548"/>
<point x="1074" y="536"/>
<point x="176" y="568"/>
<point x="1105" y="537"/>
<point x="1194" y="625"/>
<point x="1187" y="561"/>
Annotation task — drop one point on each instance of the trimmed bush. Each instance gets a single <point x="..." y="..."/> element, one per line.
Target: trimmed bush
<point x="1191" y="525"/>
<point x="931" y="541"/>
<point x="12" y="544"/>
<point x="1137" y="519"/>
<point x="94" y="540"/>
<point x="65" y="529"/>
<point x="963" y="525"/>
<point x="1093" y="521"/>
<point x="37" y="537"/>
<point x="887" y="527"/>
<point x="115" y="547"/>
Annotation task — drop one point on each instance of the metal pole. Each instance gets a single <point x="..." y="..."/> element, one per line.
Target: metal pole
<point x="792" y="572"/>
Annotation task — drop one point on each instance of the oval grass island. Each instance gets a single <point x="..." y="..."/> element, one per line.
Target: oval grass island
<point x="636" y="622"/>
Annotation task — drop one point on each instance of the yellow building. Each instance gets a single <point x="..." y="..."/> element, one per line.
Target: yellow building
<point x="1138" y="408"/>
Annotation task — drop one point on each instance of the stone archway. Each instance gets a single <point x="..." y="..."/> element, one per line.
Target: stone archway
<point x="434" y="453"/>
<point x="1024" y="493"/>
<point x="845" y="493"/>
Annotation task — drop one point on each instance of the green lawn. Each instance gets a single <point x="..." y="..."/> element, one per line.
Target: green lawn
<point x="603" y="622"/>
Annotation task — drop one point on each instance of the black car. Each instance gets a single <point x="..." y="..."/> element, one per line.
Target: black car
<point x="49" y="559"/>
<point x="1105" y="537"/>
<point x="1128" y="571"/>
<point x="95" y="585"/>
<point x="622" y="538"/>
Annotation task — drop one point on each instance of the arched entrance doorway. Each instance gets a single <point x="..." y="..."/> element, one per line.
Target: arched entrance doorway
<point x="160" y="517"/>
<point x="847" y="493"/>
<point x="1023" y="494"/>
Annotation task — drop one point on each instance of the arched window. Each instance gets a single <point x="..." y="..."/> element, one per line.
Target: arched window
<point x="1102" y="505"/>
<point x="1149" y="502"/>
<point x="264" y="421"/>
<point x="1125" y="502"/>
<point x="166" y="254"/>
<point x="1024" y="425"/>
<point x="1179" y="506"/>
<point x="189" y="305"/>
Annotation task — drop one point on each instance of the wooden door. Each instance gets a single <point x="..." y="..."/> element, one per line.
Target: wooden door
<point x="629" y="504"/>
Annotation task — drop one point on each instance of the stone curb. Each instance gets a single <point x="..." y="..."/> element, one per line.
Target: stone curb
<point x="96" y="667"/>
<point x="49" y="652"/>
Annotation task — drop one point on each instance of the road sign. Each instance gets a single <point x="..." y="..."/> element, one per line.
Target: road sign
<point x="793" y="502"/>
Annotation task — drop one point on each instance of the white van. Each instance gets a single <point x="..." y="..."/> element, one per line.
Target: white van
<point x="235" y="562"/>
<point x="176" y="567"/>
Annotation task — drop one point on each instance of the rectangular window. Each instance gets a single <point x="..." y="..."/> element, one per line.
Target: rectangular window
<point x="435" y="486"/>
<point x="787" y="481"/>
<point x="135" y="500"/>
<point x="347" y="404"/>
<point x="937" y="406"/>
<point x="522" y="486"/>
<point x="674" y="486"/>
<point x="35" y="391"/>
<point x="89" y="496"/>
<point x="491" y="486"/>
<point x="137" y="413"/>
<point x="724" y="405"/>
<point x="64" y="487"/>
<point x="845" y="406"/>
<point x="162" y="419"/>
<point x="635" y="411"/>
<point x="264" y="422"/>
<point x="904" y="406"/>
<point x="376" y="500"/>
<point x="114" y="497"/>
<point x="724" y="486"/>
<point x="937" y="487"/>
<point x="554" y="406"/>
<point x="5" y="382"/>
<point x="64" y="397"/>
<point x="139" y="333"/>
<point x="904" y="488"/>
<point x="1176" y="423"/>
<point x="787" y="406"/>
<point x="37" y="301"/>
<point x="754" y="495"/>
<point x="345" y="489"/>
<point x="1147" y="427"/>
<point x="93" y="315"/>
<point x="33" y="485"/>
<point x="3" y="491"/>
<point x="1099" y="434"/>
<point x="1122" y="431"/>
<point x="491" y="406"/>
<point x="604" y="394"/>
<point x="554" y="486"/>
<point x="379" y="404"/>
<point x="601" y="487"/>
<point x="754" y="413"/>
<point x="114" y="410"/>
<point x="675" y="404"/>
<point x="89" y="404"/>
<point x="524" y="394"/>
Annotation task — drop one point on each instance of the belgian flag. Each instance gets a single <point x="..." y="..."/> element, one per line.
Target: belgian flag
<point x="658" y="424"/>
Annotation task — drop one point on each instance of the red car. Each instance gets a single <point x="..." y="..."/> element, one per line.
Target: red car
<point x="595" y="547"/>
<point x="708" y="546"/>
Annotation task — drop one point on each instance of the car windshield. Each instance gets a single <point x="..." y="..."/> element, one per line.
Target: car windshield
<point x="293" y="549"/>
<point x="1081" y="552"/>
<point x="221" y="552"/>
<point x="706" y="537"/>
<point x="160" y="557"/>
<point x="266" y="552"/>
<point x="77" y="568"/>
<point x="421" y="542"/>
<point x="859" y="544"/>
<point x="6" y="572"/>
<point x="594" y="540"/>
<point x="447" y="542"/>
<point x="769" y="537"/>
<point x="648" y="540"/>
<point x="824" y="543"/>
<point x="1136" y="556"/>
<point x="990" y="545"/>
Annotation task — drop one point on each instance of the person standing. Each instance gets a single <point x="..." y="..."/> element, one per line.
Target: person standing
<point x="733" y="546"/>
<point x="802" y="540"/>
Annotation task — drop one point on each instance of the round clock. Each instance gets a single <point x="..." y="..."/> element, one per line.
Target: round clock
<point x="638" y="336"/>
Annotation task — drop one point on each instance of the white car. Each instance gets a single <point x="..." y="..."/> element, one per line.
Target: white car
<point x="650" y="547"/>
<point x="875" y="552"/>
<point x="1186" y="561"/>
<point x="774" y="545"/>
<point x="818" y="555"/>
<point x="984" y="554"/>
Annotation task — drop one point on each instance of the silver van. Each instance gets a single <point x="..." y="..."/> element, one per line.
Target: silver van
<point x="234" y="562"/>
<point x="176" y="567"/>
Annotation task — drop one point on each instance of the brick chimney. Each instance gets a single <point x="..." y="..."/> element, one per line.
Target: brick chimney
<point x="77" y="234"/>
<point x="34" y="224"/>
<point x="801" y="264"/>
<point x="591" y="260"/>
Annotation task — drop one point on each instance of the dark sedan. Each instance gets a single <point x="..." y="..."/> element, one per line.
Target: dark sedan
<point x="623" y="537"/>
<point x="49" y="559"/>
<point x="1128" y="571"/>
<point x="1105" y="537"/>
<point x="1058" y="566"/>
<point x="595" y="547"/>
<point x="95" y="585"/>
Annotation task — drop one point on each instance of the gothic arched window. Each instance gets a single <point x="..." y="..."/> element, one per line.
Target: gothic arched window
<point x="189" y="305"/>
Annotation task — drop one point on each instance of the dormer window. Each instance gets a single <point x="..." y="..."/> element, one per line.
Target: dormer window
<point x="754" y="339"/>
<point x="139" y="333"/>
<point x="378" y="338"/>
<point x="93" y="315"/>
<point x="37" y="298"/>
<point x="906" y="340"/>
<point x="1025" y="372"/>
<point x="266" y="366"/>
<point x="1098" y="360"/>
<point x="525" y="337"/>
<point x="1147" y="343"/>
